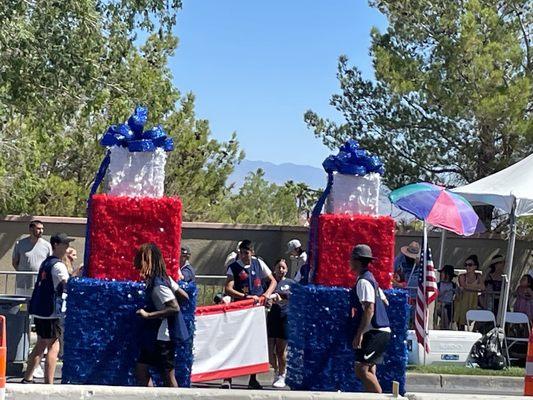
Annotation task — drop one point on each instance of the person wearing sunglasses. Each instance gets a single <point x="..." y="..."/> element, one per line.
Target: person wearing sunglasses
<point x="470" y="284"/>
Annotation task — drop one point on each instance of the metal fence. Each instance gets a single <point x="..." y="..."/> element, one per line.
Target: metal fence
<point x="17" y="282"/>
<point x="22" y="283"/>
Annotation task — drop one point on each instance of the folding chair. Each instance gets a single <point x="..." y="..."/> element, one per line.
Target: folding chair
<point x="517" y="318"/>
<point x="479" y="316"/>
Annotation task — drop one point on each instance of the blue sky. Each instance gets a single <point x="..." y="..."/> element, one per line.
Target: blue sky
<point x="256" y="67"/>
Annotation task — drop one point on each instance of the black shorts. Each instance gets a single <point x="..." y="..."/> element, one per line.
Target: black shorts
<point x="47" y="328"/>
<point x="276" y="324"/>
<point x="374" y="344"/>
<point x="161" y="356"/>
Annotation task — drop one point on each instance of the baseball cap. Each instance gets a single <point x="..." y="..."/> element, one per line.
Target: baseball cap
<point x="58" y="238"/>
<point x="185" y="250"/>
<point x="293" y="245"/>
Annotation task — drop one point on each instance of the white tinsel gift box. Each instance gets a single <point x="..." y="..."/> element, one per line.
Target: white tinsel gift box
<point x="354" y="194"/>
<point x="136" y="174"/>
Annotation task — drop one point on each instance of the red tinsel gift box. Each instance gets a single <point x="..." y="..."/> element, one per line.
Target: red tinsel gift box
<point x="338" y="234"/>
<point x="119" y="225"/>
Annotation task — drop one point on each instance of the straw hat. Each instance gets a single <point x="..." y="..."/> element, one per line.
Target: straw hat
<point x="412" y="250"/>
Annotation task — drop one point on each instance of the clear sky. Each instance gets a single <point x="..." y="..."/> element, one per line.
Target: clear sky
<point x="256" y="67"/>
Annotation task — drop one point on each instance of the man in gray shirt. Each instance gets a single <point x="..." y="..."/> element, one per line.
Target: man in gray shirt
<point x="28" y="255"/>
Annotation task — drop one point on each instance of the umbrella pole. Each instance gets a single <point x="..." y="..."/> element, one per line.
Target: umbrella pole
<point x="442" y="241"/>
<point x="424" y="261"/>
<point x="504" y="295"/>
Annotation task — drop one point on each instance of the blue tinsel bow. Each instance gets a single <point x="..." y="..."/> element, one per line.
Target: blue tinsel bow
<point x="353" y="160"/>
<point x="133" y="136"/>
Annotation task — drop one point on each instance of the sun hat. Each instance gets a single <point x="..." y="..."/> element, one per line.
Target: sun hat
<point x="412" y="250"/>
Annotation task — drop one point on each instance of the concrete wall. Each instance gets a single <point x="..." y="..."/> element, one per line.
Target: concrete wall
<point x="211" y="242"/>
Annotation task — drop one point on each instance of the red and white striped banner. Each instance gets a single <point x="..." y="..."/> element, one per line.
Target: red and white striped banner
<point x="230" y="340"/>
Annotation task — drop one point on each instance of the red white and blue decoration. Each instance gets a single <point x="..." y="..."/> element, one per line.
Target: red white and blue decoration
<point x="320" y="340"/>
<point x="215" y="355"/>
<point x="337" y="234"/>
<point x="102" y="330"/>
<point x="321" y="356"/>
<point x="119" y="225"/>
<point x="101" y="327"/>
<point x="133" y="211"/>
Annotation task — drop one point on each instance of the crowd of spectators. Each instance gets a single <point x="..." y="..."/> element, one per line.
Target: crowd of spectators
<point x="470" y="289"/>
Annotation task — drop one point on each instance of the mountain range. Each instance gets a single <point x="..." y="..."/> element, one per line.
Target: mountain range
<point x="314" y="177"/>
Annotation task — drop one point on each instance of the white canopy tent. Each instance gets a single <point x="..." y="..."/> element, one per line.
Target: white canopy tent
<point x="510" y="190"/>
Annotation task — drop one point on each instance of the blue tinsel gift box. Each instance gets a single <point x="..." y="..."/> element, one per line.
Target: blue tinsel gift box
<point x="101" y="333"/>
<point x="320" y="350"/>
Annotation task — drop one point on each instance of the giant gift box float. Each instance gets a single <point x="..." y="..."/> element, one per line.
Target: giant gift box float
<point x="321" y="356"/>
<point x="101" y="327"/>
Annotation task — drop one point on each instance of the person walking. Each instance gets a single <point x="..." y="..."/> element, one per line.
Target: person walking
<point x="163" y="324"/>
<point x="370" y="320"/>
<point x="47" y="306"/>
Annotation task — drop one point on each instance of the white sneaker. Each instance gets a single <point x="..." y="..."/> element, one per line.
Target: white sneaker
<point x="275" y="377"/>
<point x="280" y="382"/>
<point x="39" y="371"/>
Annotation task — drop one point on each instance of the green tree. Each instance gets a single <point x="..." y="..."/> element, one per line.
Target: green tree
<point x="306" y="197"/>
<point x="453" y="90"/>
<point x="69" y="69"/>
<point x="259" y="202"/>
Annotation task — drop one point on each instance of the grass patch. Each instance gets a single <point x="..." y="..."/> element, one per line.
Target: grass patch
<point x="462" y="370"/>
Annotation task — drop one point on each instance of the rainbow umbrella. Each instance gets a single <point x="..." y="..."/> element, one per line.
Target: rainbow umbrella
<point x="438" y="207"/>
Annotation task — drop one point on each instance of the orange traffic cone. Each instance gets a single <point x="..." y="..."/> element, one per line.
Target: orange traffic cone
<point x="3" y="355"/>
<point x="528" y="383"/>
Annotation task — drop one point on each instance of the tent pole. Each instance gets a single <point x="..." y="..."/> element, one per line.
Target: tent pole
<point x="424" y="269"/>
<point x="441" y="254"/>
<point x="504" y="295"/>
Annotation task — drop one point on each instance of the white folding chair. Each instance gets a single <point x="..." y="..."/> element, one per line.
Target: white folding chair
<point x="480" y="316"/>
<point x="517" y="318"/>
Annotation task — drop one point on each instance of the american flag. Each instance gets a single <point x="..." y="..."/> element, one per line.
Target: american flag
<point x="421" y="314"/>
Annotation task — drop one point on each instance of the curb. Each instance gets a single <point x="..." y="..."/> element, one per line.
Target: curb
<point x="465" y="382"/>
<point x="81" y="392"/>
